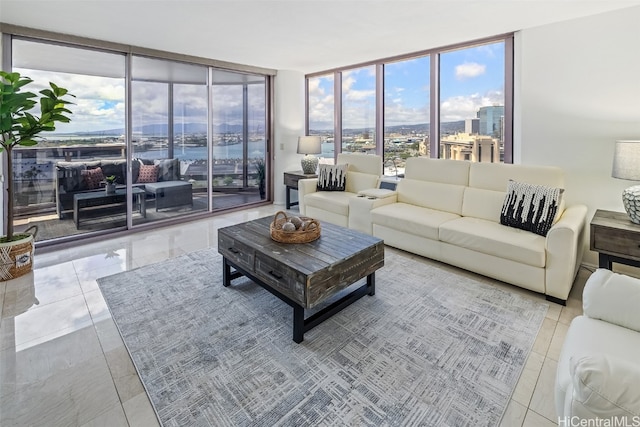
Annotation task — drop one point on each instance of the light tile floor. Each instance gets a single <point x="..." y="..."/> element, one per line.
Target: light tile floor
<point x="63" y="363"/>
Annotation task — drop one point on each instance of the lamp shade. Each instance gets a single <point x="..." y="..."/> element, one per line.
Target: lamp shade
<point x="309" y="145"/>
<point x="626" y="160"/>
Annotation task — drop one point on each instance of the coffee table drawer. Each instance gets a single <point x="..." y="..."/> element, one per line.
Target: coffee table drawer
<point x="236" y="252"/>
<point x="281" y="278"/>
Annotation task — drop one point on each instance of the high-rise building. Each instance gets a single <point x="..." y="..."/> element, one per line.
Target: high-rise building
<point x="490" y="121"/>
<point x="472" y="126"/>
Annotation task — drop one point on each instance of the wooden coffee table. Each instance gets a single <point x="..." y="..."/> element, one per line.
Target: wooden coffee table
<point x="302" y="275"/>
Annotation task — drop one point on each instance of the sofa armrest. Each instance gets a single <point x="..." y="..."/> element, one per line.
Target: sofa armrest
<point x="612" y="297"/>
<point x="564" y="247"/>
<point x="305" y="186"/>
<point x="603" y="387"/>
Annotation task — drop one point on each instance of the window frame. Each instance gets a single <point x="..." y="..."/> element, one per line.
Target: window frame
<point x="434" y="125"/>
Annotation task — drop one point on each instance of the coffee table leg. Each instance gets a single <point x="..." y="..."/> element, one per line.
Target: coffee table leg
<point x="371" y="283"/>
<point x="298" y="324"/>
<point x="226" y="273"/>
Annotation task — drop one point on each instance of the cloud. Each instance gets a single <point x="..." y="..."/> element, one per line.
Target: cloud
<point x="469" y="70"/>
<point x="465" y="107"/>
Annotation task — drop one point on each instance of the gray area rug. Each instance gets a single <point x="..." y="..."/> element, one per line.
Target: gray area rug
<point x="434" y="347"/>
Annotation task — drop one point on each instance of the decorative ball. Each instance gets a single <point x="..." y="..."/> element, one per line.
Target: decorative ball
<point x="295" y="221"/>
<point x="287" y="226"/>
<point x="311" y="226"/>
<point x="304" y="225"/>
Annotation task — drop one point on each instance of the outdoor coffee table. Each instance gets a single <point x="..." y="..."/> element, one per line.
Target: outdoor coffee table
<point x="303" y="275"/>
<point x="82" y="202"/>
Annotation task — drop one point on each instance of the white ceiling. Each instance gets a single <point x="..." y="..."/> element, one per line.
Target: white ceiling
<point x="300" y="35"/>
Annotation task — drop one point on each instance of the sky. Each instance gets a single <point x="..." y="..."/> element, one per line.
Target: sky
<point x="470" y="78"/>
<point x="99" y="102"/>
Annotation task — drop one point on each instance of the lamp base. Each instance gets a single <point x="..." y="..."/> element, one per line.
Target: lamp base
<point x="631" y="202"/>
<point x="309" y="164"/>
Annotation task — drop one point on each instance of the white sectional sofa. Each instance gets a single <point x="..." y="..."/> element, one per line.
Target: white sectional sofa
<point x="449" y="211"/>
<point x="599" y="366"/>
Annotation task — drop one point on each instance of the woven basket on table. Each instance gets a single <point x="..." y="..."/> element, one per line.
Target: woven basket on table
<point x="298" y="236"/>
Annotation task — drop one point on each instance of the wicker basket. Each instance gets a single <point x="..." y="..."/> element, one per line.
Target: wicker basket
<point x="16" y="257"/>
<point x="297" y="236"/>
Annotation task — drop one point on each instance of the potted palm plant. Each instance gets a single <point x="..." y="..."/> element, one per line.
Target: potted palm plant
<point x="19" y="127"/>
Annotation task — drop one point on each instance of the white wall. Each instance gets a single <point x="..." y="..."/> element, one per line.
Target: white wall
<point x="577" y="90"/>
<point x="289" y="115"/>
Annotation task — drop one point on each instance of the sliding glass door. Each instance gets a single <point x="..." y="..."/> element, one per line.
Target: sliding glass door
<point x="239" y="133"/>
<point x="169" y="138"/>
<point x="177" y="138"/>
<point x="59" y="183"/>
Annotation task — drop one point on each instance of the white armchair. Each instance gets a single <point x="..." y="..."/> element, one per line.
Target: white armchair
<point x="598" y="374"/>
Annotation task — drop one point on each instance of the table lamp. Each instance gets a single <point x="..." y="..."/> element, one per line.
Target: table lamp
<point x="626" y="165"/>
<point x="309" y="145"/>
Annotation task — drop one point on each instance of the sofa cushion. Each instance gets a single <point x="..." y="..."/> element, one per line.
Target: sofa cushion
<point x="481" y="203"/>
<point x="496" y="176"/>
<point x="92" y="177"/>
<point x="358" y="181"/>
<point x="148" y="173"/>
<point x="412" y="219"/>
<point x="492" y="238"/>
<point x="168" y="169"/>
<point x="332" y="201"/>
<point x="444" y="171"/>
<point x="116" y="168"/>
<point x="612" y="297"/>
<point x="530" y="207"/>
<point x="588" y="336"/>
<point x="69" y="175"/>
<point x="360" y="162"/>
<point x="433" y="195"/>
<point x="604" y="386"/>
<point x="332" y="177"/>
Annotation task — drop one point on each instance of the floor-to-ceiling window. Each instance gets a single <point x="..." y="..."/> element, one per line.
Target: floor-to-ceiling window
<point x="452" y="102"/>
<point x="59" y="182"/>
<point x="359" y="109"/>
<point x="169" y="137"/>
<point x="320" y="98"/>
<point x="406" y="112"/>
<point x="178" y="138"/>
<point x="472" y="103"/>
<point x="238" y="103"/>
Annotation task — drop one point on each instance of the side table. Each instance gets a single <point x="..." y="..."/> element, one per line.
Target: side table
<point x="291" y="183"/>
<point x="615" y="238"/>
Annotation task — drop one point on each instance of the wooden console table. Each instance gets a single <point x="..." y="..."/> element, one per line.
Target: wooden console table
<point x="615" y="238"/>
<point x="291" y="182"/>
